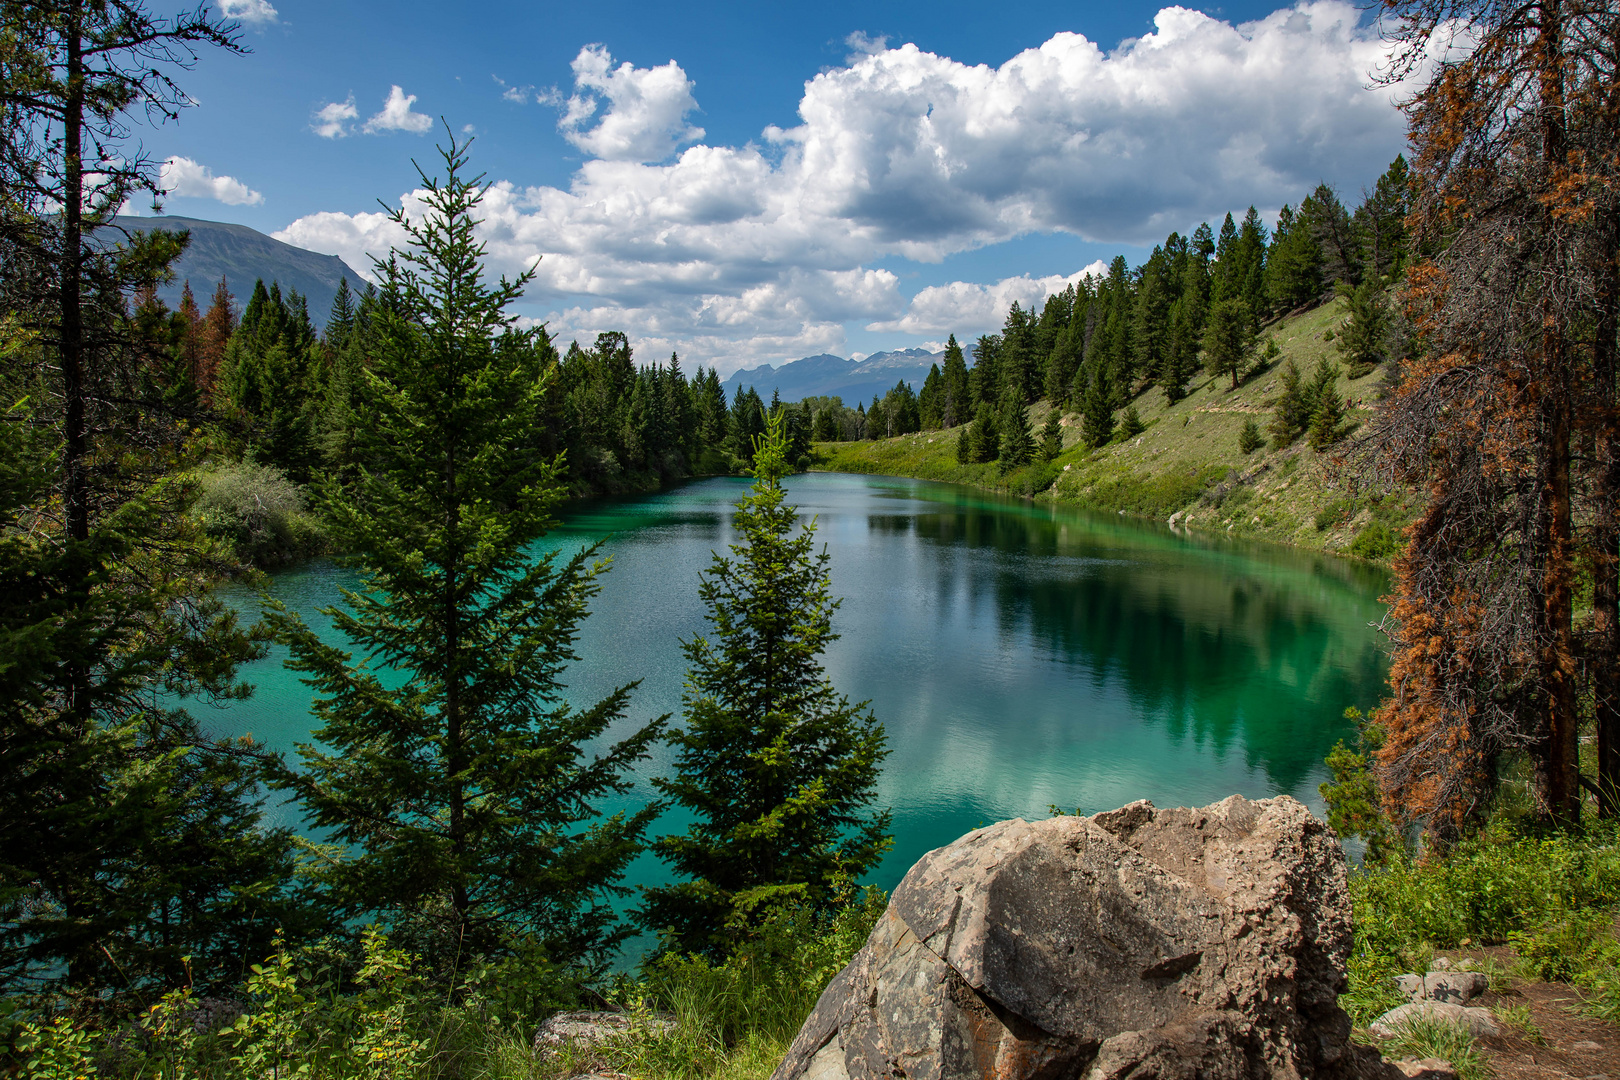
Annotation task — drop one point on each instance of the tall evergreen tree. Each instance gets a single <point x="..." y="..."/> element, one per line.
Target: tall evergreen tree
<point x="1229" y="340"/>
<point x="929" y="412"/>
<point x="1294" y="265"/>
<point x="128" y="839"/>
<point x="776" y="767"/>
<point x="450" y="767"/>
<point x="1097" y="405"/>
<point x="1380" y="221"/>
<point x="1181" y="356"/>
<point x="984" y="380"/>
<point x="980" y="442"/>
<point x="956" y="405"/>
<point x="1017" y="442"/>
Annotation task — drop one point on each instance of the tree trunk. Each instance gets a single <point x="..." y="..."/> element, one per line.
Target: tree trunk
<point x="1556" y="768"/>
<point x="1604" y="656"/>
<point x="1557" y="764"/>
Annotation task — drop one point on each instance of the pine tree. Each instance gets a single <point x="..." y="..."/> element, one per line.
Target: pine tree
<point x="929" y="411"/>
<point x="1097" y="407"/>
<point x="1294" y="266"/>
<point x="1229" y="340"/>
<point x="1381" y="221"/>
<point x="956" y="405"/>
<point x="1130" y="423"/>
<point x="218" y="326"/>
<point x="1181" y="357"/>
<point x="128" y="839"/>
<point x="776" y="767"/>
<point x="1363" y="337"/>
<point x="450" y="767"/>
<point x="1328" y="410"/>
<point x="983" y="440"/>
<point x="1250" y="439"/>
<point x="1052" y="435"/>
<point x="1017" y="443"/>
<point x="984" y="380"/>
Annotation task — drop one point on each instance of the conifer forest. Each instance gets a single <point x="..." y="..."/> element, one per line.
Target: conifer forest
<point x="1422" y="361"/>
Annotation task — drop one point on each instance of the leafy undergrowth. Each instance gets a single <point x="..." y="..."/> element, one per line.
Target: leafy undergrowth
<point x="1536" y="914"/>
<point x="310" y="1013"/>
<point x="1187" y="462"/>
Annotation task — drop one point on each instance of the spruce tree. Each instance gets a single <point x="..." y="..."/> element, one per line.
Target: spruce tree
<point x="956" y="406"/>
<point x="1250" y="439"/>
<point x="1052" y="435"/>
<point x="1096" y="407"/>
<point x="775" y="766"/>
<point x="983" y="439"/>
<point x="450" y="769"/>
<point x="1363" y="337"/>
<point x="1017" y="443"/>
<point x="1229" y="340"/>
<point x="128" y="839"/>
<point x="1328" y="408"/>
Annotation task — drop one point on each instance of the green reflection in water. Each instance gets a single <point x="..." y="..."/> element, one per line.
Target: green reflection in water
<point x="1018" y="655"/>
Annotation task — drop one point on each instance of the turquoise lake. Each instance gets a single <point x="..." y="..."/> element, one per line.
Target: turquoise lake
<point x="1019" y="655"/>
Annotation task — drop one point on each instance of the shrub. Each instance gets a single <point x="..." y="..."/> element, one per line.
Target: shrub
<point x="259" y="512"/>
<point x="1566" y="947"/>
<point x="1334" y="514"/>
<point x="1250" y="439"/>
<point x="1377" y="542"/>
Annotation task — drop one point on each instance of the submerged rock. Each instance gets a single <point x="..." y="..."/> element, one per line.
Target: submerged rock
<point x="1139" y="943"/>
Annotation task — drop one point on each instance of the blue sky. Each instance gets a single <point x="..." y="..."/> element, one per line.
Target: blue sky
<point x="749" y="182"/>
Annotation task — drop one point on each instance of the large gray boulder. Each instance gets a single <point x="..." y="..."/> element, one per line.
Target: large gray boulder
<point x="1140" y="943"/>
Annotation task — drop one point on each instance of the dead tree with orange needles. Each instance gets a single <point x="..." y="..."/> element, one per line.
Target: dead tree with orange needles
<point x="1506" y="415"/>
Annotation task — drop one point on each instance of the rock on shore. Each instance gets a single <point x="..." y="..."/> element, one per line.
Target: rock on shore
<point x="1140" y="943"/>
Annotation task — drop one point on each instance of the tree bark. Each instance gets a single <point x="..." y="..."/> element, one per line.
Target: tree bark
<point x="1604" y="656"/>
<point x="1557" y="764"/>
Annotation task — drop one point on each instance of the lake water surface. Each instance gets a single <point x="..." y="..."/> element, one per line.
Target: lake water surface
<point x="1019" y="655"/>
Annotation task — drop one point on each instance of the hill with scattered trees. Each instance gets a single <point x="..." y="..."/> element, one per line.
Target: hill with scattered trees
<point x="1215" y="385"/>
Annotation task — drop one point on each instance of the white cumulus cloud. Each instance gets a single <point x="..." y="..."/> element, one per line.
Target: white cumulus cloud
<point x="646" y="108"/>
<point x="396" y="115"/>
<point x="969" y="309"/>
<point x="741" y="254"/>
<point x="252" y="12"/>
<point x="332" y="120"/>
<point x="182" y="176"/>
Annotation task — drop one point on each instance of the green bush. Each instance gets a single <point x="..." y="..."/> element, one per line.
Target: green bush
<point x="1334" y="514"/>
<point x="1250" y="439"/>
<point x="1568" y="946"/>
<point x="316" y="1012"/>
<point x="259" y="512"/>
<point x="1497" y="886"/>
<point x="1377" y="542"/>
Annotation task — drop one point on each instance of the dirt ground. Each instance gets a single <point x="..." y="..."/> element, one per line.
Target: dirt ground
<point x="1570" y="1045"/>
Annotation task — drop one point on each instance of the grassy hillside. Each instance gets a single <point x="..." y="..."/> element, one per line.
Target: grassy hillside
<point x="1186" y="466"/>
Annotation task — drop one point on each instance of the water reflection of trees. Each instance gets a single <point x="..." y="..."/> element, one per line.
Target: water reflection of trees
<point x="1235" y="648"/>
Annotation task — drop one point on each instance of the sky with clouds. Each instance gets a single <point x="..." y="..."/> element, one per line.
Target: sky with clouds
<point x="749" y="185"/>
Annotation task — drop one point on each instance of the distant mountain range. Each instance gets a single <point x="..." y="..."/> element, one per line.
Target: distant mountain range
<point x="242" y="256"/>
<point x="833" y="376"/>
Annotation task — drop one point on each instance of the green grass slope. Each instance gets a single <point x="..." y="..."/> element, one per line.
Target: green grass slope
<point x="1186" y="467"/>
